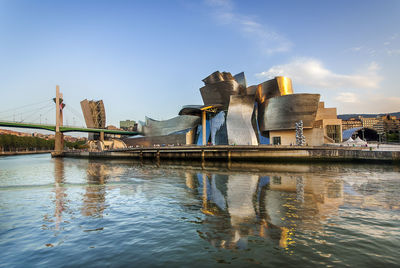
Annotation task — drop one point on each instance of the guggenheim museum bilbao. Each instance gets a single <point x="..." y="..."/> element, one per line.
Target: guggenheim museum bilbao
<point x="236" y="114"/>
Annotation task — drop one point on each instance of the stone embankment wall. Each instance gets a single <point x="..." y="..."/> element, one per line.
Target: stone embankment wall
<point x="246" y="153"/>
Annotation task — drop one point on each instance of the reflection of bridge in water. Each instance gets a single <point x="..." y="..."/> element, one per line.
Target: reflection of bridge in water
<point x="94" y="198"/>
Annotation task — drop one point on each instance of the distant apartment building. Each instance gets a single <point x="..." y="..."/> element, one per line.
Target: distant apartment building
<point x="351" y="123"/>
<point x="391" y="123"/>
<point x="129" y="125"/>
<point x="381" y="124"/>
<point x="375" y="123"/>
<point x="370" y="122"/>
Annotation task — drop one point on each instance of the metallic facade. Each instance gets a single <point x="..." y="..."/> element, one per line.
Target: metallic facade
<point x="244" y="124"/>
<point x="219" y="87"/>
<point x="219" y="134"/>
<point x="166" y="127"/>
<point x="219" y="93"/>
<point x="279" y="86"/>
<point x="234" y="113"/>
<point x="197" y="109"/>
<point x="191" y="110"/>
<point x="238" y="121"/>
<point x="147" y="141"/>
<point x="241" y="79"/>
<point x="284" y="111"/>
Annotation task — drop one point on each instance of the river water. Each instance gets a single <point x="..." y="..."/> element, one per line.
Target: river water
<point x="95" y="213"/>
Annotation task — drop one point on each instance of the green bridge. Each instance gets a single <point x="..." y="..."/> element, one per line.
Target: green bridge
<point x="66" y="128"/>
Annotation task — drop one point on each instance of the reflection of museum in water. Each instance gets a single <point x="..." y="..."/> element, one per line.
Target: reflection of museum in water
<point x="278" y="201"/>
<point x="273" y="201"/>
<point x="269" y="206"/>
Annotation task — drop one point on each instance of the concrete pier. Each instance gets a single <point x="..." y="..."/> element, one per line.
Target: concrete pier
<point x="247" y="154"/>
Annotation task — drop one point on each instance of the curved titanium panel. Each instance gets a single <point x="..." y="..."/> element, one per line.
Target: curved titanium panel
<point x="191" y="110"/>
<point x="160" y="128"/>
<point x="279" y="86"/>
<point x="220" y="92"/>
<point x="284" y="111"/>
<point x="241" y="79"/>
<point x="197" y="109"/>
<point x="148" y="141"/>
<point x="284" y="85"/>
<point x="238" y="121"/>
<point x="251" y="90"/>
<point x="216" y="77"/>
<point x="219" y="134"/>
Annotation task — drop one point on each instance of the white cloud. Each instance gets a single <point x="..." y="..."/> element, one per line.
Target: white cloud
<point x="393" y="52"/>
<point x="312" y="73"/>
<point x="392" y="45"/>
<point x="370" y="104"/>
<point x="356" y="48"/>
<point x="347" y="97"/>
<point x="394" y="36"/>
<point x="364" y="50"/>
<point x="389" y="46"/>
<point x="268" y="40"/>
<point x="219" y="3"/>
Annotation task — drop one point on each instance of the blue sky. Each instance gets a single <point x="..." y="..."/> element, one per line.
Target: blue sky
<point x="149" y="57"/>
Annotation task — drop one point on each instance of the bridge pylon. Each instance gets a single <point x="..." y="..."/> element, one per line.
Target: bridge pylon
<point x="59" y="136"/>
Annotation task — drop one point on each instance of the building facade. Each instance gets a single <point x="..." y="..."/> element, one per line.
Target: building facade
<point x="95" y="116"/>
<point x="236" y="114"/>
<point x="351" y="123"/>
<point x="94" y="113"/>
<point x="129" y="125"/>
<point x="370" y="122"/>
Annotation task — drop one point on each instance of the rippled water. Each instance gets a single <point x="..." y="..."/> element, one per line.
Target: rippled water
<point x="74" y="212"/>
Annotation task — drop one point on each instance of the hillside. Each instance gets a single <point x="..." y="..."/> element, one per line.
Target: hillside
<point x="347" y="116"/>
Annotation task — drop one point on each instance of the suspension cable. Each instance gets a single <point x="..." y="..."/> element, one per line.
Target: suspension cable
<point x="24" y="106"/>
<point x="34" y="112"/>
<point x="44" y="113"/>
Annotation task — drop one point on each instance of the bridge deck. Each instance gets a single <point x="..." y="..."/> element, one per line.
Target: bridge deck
<point x="66" y="128"/>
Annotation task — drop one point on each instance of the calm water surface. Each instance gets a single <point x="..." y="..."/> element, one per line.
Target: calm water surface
<point x="93" y="213"/>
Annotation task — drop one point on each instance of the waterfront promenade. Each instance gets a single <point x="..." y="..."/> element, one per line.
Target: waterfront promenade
<point x="246" y="153"/>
